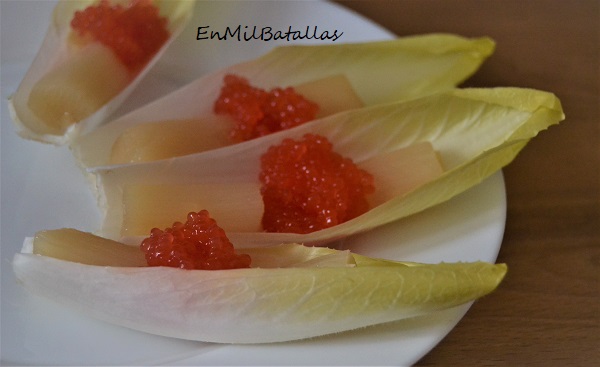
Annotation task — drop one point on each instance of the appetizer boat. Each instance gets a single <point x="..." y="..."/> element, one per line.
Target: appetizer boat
<point x="290" y="292"/>
<point x="93" y="55"/>
<point x="420" y="153"/>
<point x="335" y="77"/>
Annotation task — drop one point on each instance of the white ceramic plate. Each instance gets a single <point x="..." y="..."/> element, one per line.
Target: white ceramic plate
<point x="42" y="189"/>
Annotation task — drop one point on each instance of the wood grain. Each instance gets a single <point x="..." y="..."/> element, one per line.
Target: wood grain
<point x="547" y="311"/>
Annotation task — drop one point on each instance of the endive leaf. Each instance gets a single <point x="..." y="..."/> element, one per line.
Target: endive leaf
<point x="380" y="72"/>
<point x="257" y="305"/>
<point x="56" y="49"/>
<point x="474" y="131"/>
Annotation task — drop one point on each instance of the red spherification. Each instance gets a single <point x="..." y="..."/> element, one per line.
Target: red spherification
<point x="258" y="112"/>
<point x="135" y="32"/>
<point x="199" y="243"/>
<point x="306" y="186"/>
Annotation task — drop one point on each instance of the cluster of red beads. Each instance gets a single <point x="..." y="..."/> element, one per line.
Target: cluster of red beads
<point x="258" y="112"/>
<point x="135" y="33"/>
<point x="199" y="243"/>
<point x="306" y="186"/>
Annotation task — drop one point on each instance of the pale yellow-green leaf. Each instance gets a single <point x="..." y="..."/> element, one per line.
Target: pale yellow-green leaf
<point x="475" y="132"/>
<point x="379" y="72"/>
<point x="55" y="50"/>
<point x="258" y="305"/>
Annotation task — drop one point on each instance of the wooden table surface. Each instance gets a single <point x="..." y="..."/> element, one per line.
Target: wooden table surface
<point x="547" y="310"/>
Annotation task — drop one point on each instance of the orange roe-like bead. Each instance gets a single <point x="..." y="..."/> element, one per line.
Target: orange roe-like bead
<point x="135" y="32"/>
<point x="199" y="243"/>
<point x="258" y="112"/>
<point x="306" y="186"/>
